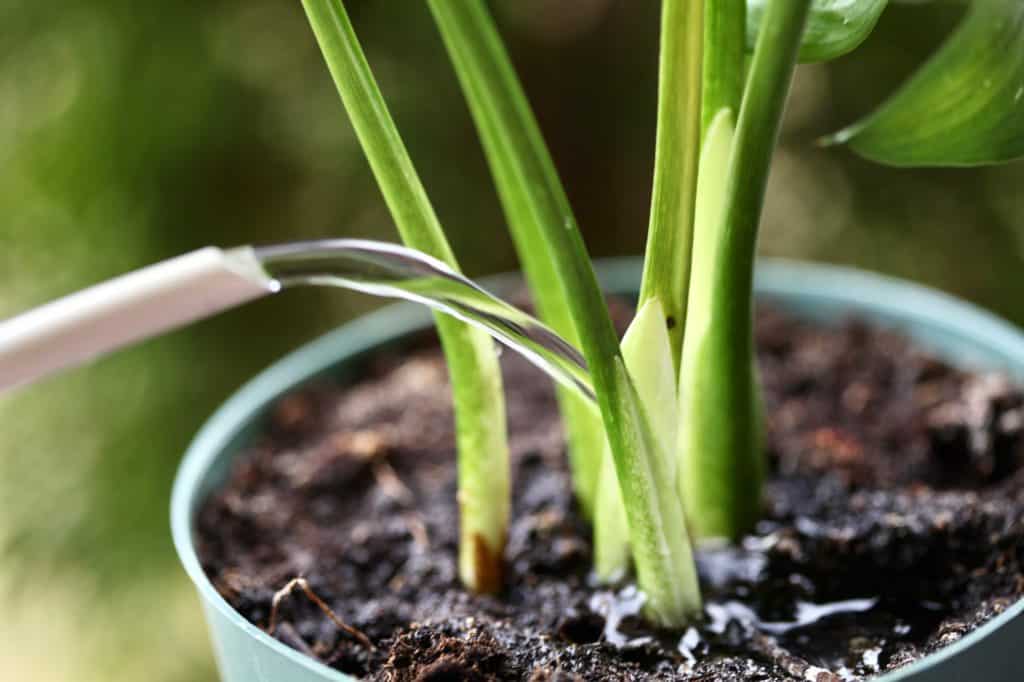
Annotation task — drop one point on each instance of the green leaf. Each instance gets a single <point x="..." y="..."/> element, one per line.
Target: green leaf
<point x="531" y="196"/>
<point x="472" y="362"/>
<point x="964" y="107"/>
<point x="834" y="27"/>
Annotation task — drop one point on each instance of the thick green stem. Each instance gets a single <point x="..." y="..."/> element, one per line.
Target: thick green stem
<point x="667" y="260"/>
<point x="724" y="55"/>
<point x="657" y="530"/>
<point x="757" y="132"/>
<point x="531" y="196"/>
<point x="472" y="362"/>
<point x="676" y="149"/>
<point x="721" y="430"/>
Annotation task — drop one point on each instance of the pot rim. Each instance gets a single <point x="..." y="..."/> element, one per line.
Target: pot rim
<point x="884" y="296"/>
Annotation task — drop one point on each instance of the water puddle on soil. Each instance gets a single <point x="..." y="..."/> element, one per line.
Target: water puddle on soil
<point x="753" y="606"/>
<point x="721" y="614"/>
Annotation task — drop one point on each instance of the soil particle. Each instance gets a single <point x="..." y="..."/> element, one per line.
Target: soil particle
<point x="893" y="526"/>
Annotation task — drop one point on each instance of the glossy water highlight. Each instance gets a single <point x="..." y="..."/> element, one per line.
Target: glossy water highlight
<point x="393" y="271"/>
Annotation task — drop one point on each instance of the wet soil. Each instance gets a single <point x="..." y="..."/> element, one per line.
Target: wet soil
<point x="893" y="526"/>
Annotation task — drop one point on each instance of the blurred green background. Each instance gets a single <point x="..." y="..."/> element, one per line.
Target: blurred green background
<point x="131" y="132"/>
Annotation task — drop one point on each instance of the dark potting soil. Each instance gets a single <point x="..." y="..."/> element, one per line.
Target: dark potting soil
<point x="893" y="526"/>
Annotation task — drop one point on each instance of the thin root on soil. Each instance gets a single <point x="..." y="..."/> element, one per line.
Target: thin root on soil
<point x="303" y="585"/>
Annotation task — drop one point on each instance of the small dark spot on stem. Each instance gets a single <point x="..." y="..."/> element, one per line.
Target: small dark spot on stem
<point x="670" y="322"/>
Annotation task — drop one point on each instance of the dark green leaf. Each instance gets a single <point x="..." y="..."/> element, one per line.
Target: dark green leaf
<point x="964" y="107"/>
<point x="834" y="27"/>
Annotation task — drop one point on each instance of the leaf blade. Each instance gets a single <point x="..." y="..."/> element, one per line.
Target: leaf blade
<point x="834" y="27"/>
<point x="963" y="107"/>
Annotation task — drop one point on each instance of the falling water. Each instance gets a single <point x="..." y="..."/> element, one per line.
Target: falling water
<point x="392" y="271"/>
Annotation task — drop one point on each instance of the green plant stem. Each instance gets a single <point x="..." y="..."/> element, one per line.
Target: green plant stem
<point x="531" y="196"/>
<point x="721" y="430"/>
<point x="667" y="260"/>
<point x="657" y="530"/>
<point x="677" y="147"/>
<point x="724" y="55"/>
<point x="472" y="361"/>
<point x="757" y="131"/>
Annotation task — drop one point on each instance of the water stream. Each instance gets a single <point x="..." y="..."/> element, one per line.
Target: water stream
<point x="393" y="271"/>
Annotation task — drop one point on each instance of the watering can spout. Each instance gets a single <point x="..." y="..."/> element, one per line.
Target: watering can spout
<point x="102" y="318"/>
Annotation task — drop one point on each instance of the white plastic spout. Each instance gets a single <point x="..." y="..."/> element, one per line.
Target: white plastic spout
<point x="156" y="299"/>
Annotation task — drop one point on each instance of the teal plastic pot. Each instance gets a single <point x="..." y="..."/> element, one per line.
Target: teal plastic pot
<point x="957" y="331"/>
